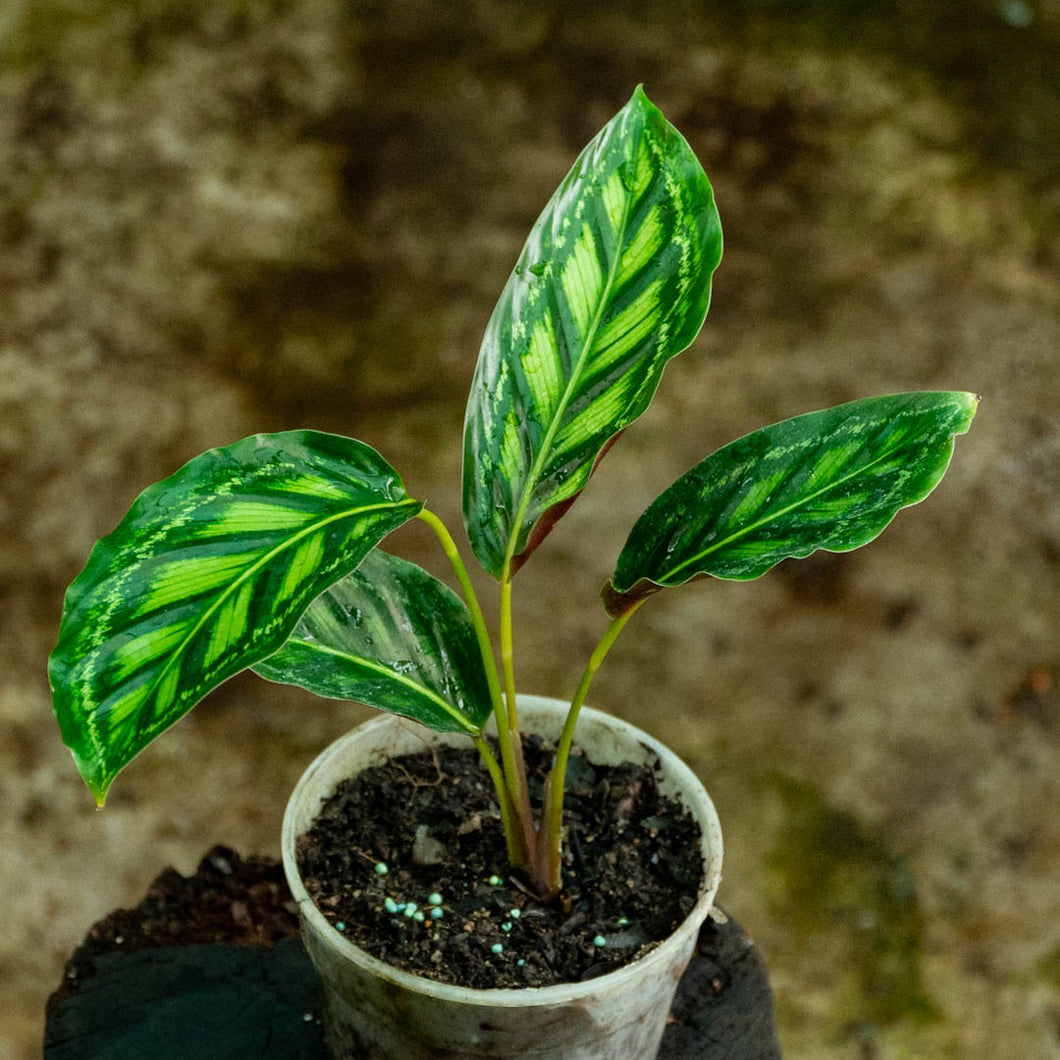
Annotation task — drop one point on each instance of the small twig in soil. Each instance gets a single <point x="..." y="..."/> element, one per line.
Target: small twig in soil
<point x="573" y="923"/>
<point x="370" y="858"/>
<point x="517" y="883"/>
<point x="576" y="847"/>
<point x="416" y="782"/>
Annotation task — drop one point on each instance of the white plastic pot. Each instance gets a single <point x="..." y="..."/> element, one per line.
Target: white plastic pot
<point x="374" y="1010"/>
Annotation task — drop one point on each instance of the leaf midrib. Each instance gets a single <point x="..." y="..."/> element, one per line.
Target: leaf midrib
<point x="257" y="565"/>
<point x="805" y="499"/>
<point x="545" y="449"/>
<point x="371" y="664"/>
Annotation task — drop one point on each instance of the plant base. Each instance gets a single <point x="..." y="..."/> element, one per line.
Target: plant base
<point x="373" y="1009"/>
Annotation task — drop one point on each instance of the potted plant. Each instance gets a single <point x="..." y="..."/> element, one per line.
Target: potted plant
<point x="265" y="554"/>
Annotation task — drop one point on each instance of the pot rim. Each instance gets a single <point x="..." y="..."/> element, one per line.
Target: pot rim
<point x="510" y="997"/>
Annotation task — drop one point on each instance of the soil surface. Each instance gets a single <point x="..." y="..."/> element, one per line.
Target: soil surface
<point x="408" y="860"/>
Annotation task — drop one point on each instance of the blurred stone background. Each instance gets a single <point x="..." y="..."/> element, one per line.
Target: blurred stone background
<point x="233" y="216"/>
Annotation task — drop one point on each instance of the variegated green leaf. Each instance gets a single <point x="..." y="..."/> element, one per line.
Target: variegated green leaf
<point x="827" y="480"/>
<point x="613" y="281"/>
<point x="394" y="637"/>
<point x="208" y="573"/>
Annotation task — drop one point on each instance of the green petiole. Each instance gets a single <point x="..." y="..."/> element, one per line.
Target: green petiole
<point x="452" y="553"/>
<point x="513" y="833"/>
<point x="552" y="808"/>
<point x="518" y="820"/>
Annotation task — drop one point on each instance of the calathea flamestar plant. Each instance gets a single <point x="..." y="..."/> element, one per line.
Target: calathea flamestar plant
<point x="264" y="554"/>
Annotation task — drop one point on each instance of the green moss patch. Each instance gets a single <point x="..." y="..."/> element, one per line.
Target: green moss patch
<point x="1049" y="967"/>
<point x="845" y="892"/>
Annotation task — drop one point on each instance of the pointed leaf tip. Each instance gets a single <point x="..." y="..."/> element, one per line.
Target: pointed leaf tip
<point x="97" y="788"/>
<point x="90" y="771"/>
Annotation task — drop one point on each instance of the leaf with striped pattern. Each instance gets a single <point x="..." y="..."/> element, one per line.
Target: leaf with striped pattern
<point x="826" y="480"/>
<point x="392" y="636"/>
<point x="208" y="573"/>
<point x="613" y="281"/>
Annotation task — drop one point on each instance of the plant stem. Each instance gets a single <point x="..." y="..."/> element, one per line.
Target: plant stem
<point x="507" y="650"/>
<point x="516" y="768"/>
<point x="481" y="633"/>
<point x="516" y="815"/>
<point x="513" y="833"/>
<point x="551" y="828"/>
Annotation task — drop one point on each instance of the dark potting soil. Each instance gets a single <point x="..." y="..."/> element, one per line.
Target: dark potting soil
<point x="229" y="900"/>
<point x="428" y="825"/>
